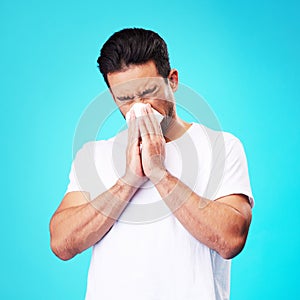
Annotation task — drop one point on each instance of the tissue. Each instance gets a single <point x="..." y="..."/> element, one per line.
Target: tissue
<point x="137" y="108"/>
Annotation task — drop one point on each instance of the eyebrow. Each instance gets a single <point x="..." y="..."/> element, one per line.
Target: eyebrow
<point x="139" y="94"/>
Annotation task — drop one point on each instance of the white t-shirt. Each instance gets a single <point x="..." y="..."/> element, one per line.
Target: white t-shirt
<point x="148" y="254"/>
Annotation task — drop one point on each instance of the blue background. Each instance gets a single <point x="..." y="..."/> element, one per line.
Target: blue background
<point x="243" y="57"/>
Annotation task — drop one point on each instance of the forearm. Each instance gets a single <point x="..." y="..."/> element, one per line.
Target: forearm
<point x="75" y="229"/>
<point x="215" y="224"/>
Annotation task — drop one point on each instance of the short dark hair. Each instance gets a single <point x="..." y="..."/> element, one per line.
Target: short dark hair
<point x="133" y="46"/>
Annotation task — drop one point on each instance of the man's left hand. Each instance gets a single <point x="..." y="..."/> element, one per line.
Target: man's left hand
<point x="153" y="146"/>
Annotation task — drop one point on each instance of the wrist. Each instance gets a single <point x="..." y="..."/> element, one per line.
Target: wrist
<point x="157" y="175"/>
<point x="133" y="181"/>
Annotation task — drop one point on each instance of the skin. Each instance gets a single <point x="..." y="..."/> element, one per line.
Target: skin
<point x="78" y="223"/>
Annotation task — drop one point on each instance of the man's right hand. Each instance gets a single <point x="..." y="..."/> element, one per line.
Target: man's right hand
<point x="80" y="222"/>
<point x="134" y="174"/>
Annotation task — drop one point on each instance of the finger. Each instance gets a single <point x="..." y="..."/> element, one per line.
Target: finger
<point x="144" y="132"/>
<point x="146" y="119"/>
<point x="131" y="123"/>
<point x="133" y="130"/>
<point x="155" y="124"/>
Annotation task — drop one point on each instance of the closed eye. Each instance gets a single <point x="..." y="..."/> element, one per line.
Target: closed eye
<point x="125" y="98"/>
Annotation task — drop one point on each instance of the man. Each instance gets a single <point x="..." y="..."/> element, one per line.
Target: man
<point x="184" y="252"/>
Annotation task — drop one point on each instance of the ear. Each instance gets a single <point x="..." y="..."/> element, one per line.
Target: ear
<point x="173" y="79"/>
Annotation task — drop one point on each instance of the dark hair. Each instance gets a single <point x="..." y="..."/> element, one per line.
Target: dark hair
<point x="133" y="46"/>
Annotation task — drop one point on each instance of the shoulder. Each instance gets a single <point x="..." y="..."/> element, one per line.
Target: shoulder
<point x="88" y="146"/>
<point x="101" y="148"/>
<point x="215" y="137"/>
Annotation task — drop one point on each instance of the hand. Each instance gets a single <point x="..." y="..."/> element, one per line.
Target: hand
<point x="134" y="174"/>
<point x="153" y="146"/>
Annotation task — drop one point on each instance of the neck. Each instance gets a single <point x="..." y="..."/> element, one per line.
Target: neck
<point x="174" y="128"/>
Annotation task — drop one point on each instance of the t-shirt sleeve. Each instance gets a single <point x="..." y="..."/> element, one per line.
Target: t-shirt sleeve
<point x="74" y="184"/>
<point x="235" y="179"/>
<point x="83" y="174"/>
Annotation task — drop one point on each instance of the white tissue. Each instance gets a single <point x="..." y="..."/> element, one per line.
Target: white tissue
<point x="137" y="108"/>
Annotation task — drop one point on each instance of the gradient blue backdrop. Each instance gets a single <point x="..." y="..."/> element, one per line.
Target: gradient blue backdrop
<point x="243" y="57"/>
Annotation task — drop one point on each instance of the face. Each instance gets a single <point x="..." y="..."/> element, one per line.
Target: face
<point x="142" y="83"/>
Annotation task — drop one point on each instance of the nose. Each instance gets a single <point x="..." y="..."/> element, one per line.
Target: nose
<point x="138" y="100"/>
<point x="141" y="100"/>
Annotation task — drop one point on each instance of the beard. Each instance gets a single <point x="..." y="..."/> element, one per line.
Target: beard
<point x="169" y="118"/>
